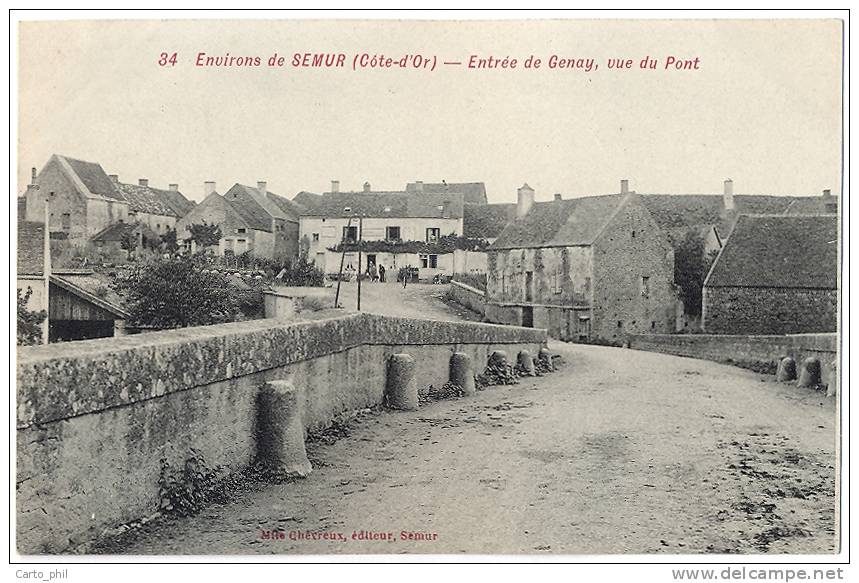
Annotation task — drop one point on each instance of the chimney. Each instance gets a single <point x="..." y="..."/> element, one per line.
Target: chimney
<point x="525" y="200"/>
<point x="261" y="186"/>
<point x="558" y="196"/>
<point x="208" y="187"/>
<point x="728" y="195"/>
<point x="173" y="187"/>
<point x="826" y="193"/>
<point x="114" y="178"/>
<point x="366" y="187"/>
<point x="419" y="185"/>
<point x="624" y="186"/>
<point x="143" y="182"/>
<point x="335" y="186"/>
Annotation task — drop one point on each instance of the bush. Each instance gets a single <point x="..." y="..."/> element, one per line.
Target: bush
<point x="29" y="322"/>
<point x="313" y="304"/>
<point x="174" y="293"/>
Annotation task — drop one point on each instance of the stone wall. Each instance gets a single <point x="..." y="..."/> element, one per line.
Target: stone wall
<point x="471" y="298"/>
<point x="753" y="310"/>
<point x="95" y="418"/>
<point x="757" y="352"/>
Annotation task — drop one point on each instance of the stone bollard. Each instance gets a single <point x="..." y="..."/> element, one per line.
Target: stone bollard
<point x="786" y="370"/>
<point x="809" y="373"/>
<point x="462" y="373"/>
<point x="280" y="429"/>
<point x="526" y="363"/>
<point x="497" y="358"/>
<point x="832" y="381"/>
<point x="401" y="391"/>
<point x="546" y="357"/>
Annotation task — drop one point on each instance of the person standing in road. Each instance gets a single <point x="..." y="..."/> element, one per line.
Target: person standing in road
<point x="381" y="273"/>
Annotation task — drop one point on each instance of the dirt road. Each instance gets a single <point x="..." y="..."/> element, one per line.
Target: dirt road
<point x="620" y="452"/>
<point x="416" y="300"/>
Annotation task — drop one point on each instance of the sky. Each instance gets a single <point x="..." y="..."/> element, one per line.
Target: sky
<point x="763" y="108"/>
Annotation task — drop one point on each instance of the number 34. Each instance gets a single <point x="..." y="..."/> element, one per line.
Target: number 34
<point x="166" y="59"/>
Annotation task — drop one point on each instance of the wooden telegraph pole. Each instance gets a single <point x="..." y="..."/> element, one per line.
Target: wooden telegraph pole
<point x="360" y="233"/>
<point x="342" y="259"/>
<point x="46" y="268"/>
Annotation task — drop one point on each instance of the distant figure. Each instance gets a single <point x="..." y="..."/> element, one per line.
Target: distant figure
<point x="406" y="273"/>
<point x="381" y="273"/>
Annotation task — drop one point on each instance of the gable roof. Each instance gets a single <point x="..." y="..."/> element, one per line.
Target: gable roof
<point x="290" y="209"/>
<point x="144" y="199"/>
<point x="813" y="205"/>
<point x="255" y="208"/>
<point x="307" y="200"/>
<point x="486" y="221"/>
<point x="115" y="232"/>
<point x="93" y="176"/>
<point x="395" y="204"/>
<point x="215" y="202"/>
<point x="31" y="247"/>
<point x="94" y="289"/>
<point x="779" y="252"/>
<point x="473" y="192"/>
<point x="677" y="213"/>
<point x="560" y="223"/>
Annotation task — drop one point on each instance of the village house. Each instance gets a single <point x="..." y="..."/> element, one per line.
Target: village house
<point x="591" y="269"/>
<point x="156" y="208"/>
<point x="777" y="274"/>
<point x="251" y="219"/>
<point x="83" y="200"/>
<point x="400" y="229"/>
<point x="81" y="303"/>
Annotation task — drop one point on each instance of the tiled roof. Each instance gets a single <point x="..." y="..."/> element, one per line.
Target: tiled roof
<point x="397" y="204"/>
<point x="291" y="209"/>
<point x="571" y="222"/>
<point x="674" y="213"/>
<point x="779" y="252"/>
<point x="31" y="242"/>
<point x="308" y="200"/>
<point x="473" y="192"/>
<point x="486" y="221"/>
<point x="94" y="178"/>
<point x="813" y="205"/>
<point x="94" y="288"/>
<point x="144" y="199"/>
<point x="177" y="202"/>
<point x="255" y="208"/>
<point x="114" y="232"/>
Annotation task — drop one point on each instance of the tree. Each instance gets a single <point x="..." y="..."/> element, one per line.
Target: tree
<point x="128" y="241"/>
<point x="170" y="241"/>
<point x="205" y="235"/>
<point x="174" y="293"/>
<point x="29" y="321"/>
<point x="691" y="265"/>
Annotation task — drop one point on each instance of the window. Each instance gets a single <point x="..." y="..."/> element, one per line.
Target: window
<point x="433" y="234"/>
<point x="315" y="237"/>
<point x="429" y="261"/>
<point x="556" y="280"/>
<point x="645" y="286"/>
<point x="241" y="231"/>
<point x="633" y="234"/>
<point x="67" y="222"/>
<point x="350" y="234"/>
<point x="392" y="234"/>
<point x="158" y="227"/>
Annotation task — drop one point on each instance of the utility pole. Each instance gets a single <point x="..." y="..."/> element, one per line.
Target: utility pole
<point x="360" y="233"/>
<point x="342" y="258"/>
<point x="46" y="268"/>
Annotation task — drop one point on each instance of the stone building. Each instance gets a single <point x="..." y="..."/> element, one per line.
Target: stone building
<point x="590" y="269"/>
<point x="400" y="227"/>
<point x="251" y="219"/>
<point x="777" y="274"/>
<point x="86" y="200"/>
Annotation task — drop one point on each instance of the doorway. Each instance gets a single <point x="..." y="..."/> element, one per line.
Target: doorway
<point x="528" y="316"/>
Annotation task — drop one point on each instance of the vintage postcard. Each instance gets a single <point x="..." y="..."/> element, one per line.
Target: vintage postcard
<point x="493" y="286"/>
